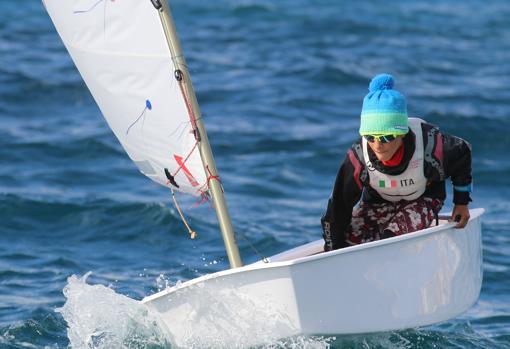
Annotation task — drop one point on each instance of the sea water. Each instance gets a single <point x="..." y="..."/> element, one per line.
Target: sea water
<point x="84" y="236"/>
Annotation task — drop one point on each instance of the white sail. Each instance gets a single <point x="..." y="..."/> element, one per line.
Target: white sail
<point x="120" y="50"/>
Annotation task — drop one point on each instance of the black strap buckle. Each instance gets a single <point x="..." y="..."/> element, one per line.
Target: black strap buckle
<point x="171" y="178"/>
<point x="157" y="4"/>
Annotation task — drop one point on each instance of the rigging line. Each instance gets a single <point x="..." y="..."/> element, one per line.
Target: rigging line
<point x="180" y="77"/>
<point x="185" y="159"/>
<point x="192" y="233"/>
<point x="203" y="199"/>
<point x="203" y="191"/>
<point x="261" y="256"/>
<point x="177" y="63"/>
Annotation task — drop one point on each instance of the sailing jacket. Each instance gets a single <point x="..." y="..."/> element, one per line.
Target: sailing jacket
<point x="445" y="156"/>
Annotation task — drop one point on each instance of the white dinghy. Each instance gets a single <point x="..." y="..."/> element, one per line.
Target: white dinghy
<point x="406" y="281"/>
<point x="130" y="58"/>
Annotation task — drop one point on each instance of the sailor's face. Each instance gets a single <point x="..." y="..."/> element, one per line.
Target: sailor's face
<point x="385" y="151"/>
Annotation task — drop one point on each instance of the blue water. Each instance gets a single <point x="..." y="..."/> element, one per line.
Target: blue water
<point x="280" y="85"/>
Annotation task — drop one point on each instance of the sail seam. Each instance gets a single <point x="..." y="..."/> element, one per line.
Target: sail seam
<point x="115" y="53"/>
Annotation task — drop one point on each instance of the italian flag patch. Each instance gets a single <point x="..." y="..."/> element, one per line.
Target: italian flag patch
<point x="387" y="184"/>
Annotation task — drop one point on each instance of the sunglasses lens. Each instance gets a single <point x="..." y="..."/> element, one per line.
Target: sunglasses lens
<point x="382" y="139"/>
<point x="387" y="139"/>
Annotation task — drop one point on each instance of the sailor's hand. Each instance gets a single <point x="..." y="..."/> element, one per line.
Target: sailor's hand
<point x="461" y="215"/>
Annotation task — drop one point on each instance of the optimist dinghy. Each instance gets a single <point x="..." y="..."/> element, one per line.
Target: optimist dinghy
<point x="407" y="281"/>
<point x="130" y="58"/>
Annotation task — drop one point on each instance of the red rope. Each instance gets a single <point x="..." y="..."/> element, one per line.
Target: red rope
<point x="205" y="198"/>
<point x="192" y="118"/>
<point x="211" y="177"/>
<point x="193" y="121"/>
<point x="185" y="159"/>
<point x="188" y="106"/>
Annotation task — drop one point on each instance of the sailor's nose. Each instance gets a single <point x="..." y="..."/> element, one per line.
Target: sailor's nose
<point x="377" y="144"/>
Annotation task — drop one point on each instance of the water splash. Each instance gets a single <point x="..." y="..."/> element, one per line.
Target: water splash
<point x="302" y="342"/>
<point x="99" y="318"/>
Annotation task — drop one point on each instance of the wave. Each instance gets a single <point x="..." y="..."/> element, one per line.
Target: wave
<point x="94" y="219"/>
<point x="43" y="330"/>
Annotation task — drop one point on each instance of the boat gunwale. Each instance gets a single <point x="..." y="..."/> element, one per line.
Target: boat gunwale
<point x="475" y="214"/>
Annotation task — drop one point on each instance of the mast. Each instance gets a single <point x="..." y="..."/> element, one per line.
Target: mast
<point x="215" y="188"/>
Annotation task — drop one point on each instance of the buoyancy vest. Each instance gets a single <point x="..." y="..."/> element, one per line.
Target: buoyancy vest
<point x="410" y="184"/>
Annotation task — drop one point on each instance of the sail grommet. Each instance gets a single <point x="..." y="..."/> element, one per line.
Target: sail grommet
<point x="178" y="74"/>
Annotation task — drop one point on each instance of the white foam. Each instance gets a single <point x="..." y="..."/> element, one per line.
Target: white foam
<point x="99" y="318"/>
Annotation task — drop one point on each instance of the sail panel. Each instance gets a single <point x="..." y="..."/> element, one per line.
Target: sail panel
<point x="120" y="50"/>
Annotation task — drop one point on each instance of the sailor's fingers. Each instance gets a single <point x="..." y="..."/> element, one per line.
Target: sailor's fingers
<point x="463" y="221"/>
<point x="461" y="215"/>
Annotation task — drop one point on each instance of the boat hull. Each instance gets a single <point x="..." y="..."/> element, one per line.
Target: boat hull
<point x="408" y="281"/>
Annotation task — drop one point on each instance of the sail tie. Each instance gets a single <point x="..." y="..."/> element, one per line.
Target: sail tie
<point x="211" y="177"/>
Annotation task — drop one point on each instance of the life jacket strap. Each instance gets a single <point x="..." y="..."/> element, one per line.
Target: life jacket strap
<point x="433" y="139"/>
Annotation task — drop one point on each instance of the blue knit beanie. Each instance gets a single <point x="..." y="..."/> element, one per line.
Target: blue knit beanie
<point x="384" y="109"/>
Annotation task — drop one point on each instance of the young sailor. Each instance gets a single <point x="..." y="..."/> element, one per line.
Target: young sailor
<point x="398" y="169"/>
